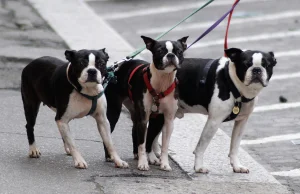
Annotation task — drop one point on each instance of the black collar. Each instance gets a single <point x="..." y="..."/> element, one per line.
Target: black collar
<point x="232" y="87"/>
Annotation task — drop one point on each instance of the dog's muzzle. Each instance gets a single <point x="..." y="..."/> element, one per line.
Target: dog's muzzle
<point x="92" y="76"/>
<point x="257" y="76"/>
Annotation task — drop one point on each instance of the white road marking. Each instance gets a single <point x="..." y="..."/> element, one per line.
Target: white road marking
<point x="287" y="53"/>
<point x="271" y="139"/>
<point x="280" y="106"/>
<point x="286" y="76"/>
<point x="168" y="9"/>
<point x="265" y="36"/>
<point x="291" y="173"/>
<point x="197" y="26"/>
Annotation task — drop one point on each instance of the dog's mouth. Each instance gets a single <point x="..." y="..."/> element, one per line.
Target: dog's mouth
<point x="92" y="80"/>
<point x="257" y="80"/>
<point x="171" y="64"/>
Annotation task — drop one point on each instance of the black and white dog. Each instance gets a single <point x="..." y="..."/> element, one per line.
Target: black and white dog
<point x="224" y="89"/>
<point x="73" y="90"/>
<point x="148" y="89"/>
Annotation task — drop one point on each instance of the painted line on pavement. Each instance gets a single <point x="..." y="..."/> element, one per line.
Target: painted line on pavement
<point x="56" y="15"/>
<point x="197" y="26"/>
<point x="280" y="106"/>
<point x="286" y="76"/>
<point x="271" y="139"/>
<point x="169" y="9"/>
<point x="290" y="173"/>
<point x="265" y="36"/>
<point x="290" y="53"/>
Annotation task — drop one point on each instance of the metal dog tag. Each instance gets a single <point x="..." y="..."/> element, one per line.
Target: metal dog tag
<point x="154" y="108"/>
<point x="236" y="110"/>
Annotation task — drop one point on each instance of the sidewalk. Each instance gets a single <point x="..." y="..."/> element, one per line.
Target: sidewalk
<point x="54" y="171"/>
<point x="24" y="35"/>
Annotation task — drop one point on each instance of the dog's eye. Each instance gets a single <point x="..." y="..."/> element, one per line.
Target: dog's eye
<point x="160" y="51"/>
<point x="84" y="62"/>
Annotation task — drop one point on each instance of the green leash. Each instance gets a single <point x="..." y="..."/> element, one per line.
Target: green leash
<point x="138" y="51"/>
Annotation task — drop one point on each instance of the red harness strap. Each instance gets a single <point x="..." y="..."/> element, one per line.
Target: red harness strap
<point x="155" y="95"/>
<point x="130" y="76"/>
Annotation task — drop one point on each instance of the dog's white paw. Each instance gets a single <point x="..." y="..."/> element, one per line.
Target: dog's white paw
<point x="153" y="159"/>
<point x="165" y="167"/>
<point x="202" y="170"/>
<point x="34" y="152"/>
<point x="240" y="169"/>
<point x="121" y="164"/>
<point x="81" y="164"/>
<point x="143" y="163"/>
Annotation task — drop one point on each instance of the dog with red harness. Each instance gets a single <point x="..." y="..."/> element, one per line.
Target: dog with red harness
<point x="147" y="90"/>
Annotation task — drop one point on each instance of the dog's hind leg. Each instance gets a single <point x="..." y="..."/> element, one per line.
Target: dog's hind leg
<point x="31" y="105"/>
<point x="114" y="107"/>
<point x="152" y="147"/>
<point x="237" y="133"/>
<point x="208" y="132"/>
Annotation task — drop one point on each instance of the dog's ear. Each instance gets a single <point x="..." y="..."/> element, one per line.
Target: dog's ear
<point x="233" y="53"/>
<point x="70" y="54"/>
<point x="105" y="53"/>
<point x="274" y="61"/>
<point x="149" y="42"/>
<point x="183" y="42"/>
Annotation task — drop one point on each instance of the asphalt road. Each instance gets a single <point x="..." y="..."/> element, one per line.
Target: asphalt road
<point x="275" y="27"/>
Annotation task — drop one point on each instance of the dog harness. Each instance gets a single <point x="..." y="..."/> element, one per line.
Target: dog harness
<point x="238" y="103"/>
<point x="94" y="99"/>
<point x="155" y="96"/>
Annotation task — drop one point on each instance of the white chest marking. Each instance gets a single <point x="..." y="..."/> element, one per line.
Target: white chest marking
<point x="79" y="106"/>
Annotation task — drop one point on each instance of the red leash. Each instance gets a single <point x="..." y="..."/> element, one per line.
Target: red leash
<point x="228" y="24"/>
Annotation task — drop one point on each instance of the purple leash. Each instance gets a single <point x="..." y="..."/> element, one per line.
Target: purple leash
<point x="214" y="25"/>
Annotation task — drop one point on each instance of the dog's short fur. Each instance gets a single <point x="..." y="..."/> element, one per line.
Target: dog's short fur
<point x="249" y="71"/>
<point x="53" y="82"/>
<point x="167" y="57"/>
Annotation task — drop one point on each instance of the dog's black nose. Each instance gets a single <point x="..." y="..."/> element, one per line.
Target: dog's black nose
<point x="92" y="71"/>
<point x="256" y="71"/>
<point x="170" y="56"/>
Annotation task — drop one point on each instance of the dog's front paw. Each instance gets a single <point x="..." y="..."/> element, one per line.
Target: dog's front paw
<point x="165" y="167"/>
<point x="80" y="164"/>
<point x="240" y="169"/>
<point x="202" y="170"/>
<point x="153" y="159"/>
<point x="34" y="152"/>
<point x="143" y="164"/>
<point x="121" y="164"/>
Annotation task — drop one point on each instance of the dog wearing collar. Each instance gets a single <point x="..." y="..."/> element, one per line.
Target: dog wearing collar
<point x="73" y="90"/>
<point x="147" y="90"/>
<point x="224" y="89"/>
